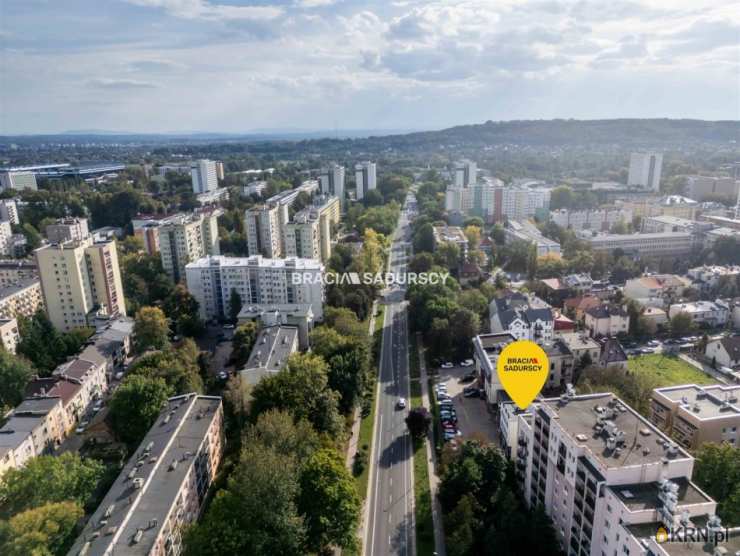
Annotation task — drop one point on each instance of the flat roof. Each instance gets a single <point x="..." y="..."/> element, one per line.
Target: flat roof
<point x="709" y="400"/>
<point x="18" y="286"/>
<point x="643" y="442"/>
<point x="644" y="496"/>
<point x="162" y="460"/>
<point x="256" y="261"/>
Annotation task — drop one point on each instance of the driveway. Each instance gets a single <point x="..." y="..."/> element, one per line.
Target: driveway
<point x="473" y="417"/>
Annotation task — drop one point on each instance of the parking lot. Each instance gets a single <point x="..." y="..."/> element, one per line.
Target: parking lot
<point x="472" y="414"/>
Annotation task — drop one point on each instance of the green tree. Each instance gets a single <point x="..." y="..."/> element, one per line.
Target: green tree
<point x="329" y="502"/>
<point x="717" y="472"/>
<point x="256" y="515"/>
<point x="244" y="337"/>
<point x="181" y="308"/>
<point x="151" y="329"/>
<point x="178" y="367"/>
<point x="681" y="324"/>
<point x="15" y="372"/>
<point x="42" y="531"/>
<point x="235" y="305"/>
<point x="460" y="525"/>
<point x="418" y="421"/>
<point x="423" y="239"/>
<point x="302" y="389"/>
<point x="135" y="405"/>
<point x="47" y="479"/>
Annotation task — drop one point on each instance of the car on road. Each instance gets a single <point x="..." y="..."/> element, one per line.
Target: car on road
<point x="82" y="426"/>
<point x="447" y="365"/>
<point x="98" y="406"/>
<point x="223" y="375"/>
<point x="401" y="403"/>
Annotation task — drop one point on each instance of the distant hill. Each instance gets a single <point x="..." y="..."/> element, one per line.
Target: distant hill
<point x="627" y="132"/>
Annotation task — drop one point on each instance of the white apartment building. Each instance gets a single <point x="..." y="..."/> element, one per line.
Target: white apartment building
<point x="707" y="277"/>
<point x="17" y="179"/>
<point x="599" y="220"/>
<point x="365" y="178"/>
<point x="664" y="244"/>
<point x="6" y="235"/>
<point x="264" y="226"/>
<point x="332" y="182"/>
<point x="79" y="279"/>
<point x="645" y="170"/>
<point x="607" y="320"/>
<point x="526" y="317"/>
<point x="254" y="188"/>
<point x="606" y="476"/>
<point x="67" y="229"/>
<point x="204" y="175"/>
<point x="710" y="313"/>
<point x="257" y="280"/>
<point x="21" y="297"/>
<point x="712" y="188"/>
<point x="9" y="211"/>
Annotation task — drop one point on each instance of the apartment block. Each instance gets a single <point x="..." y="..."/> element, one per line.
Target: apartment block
<point x="599" y="220"/>
<point x="21" y="298"/>
<point x="660" y="245"/>
<point x="254" y="188"/>
<point x="331" y="182"/>
<point x="607" y="477"/>
<point x="487" y="349"/>
<point x="264" y="225"/>
<point x="607" y="320"/>
<point x="694" y="415"/>
<point x="465" y="173"/>
<point x="644" y="171"/>
<point x="707" y="277"/>
<point x="9" y="334"/>
<point x="78" y="280"/>
<point x="712" y="188"/>
<point x="365" y="178"/>
<point x="9" y="211"/>
<point x="670" y="205"/>
<point x="272" y="348"/>
<point x="296" y="315"/>
<point x="525" y="231"/>
<point x="34" y="428"/>
<point x="6" y="238"/>
<point x="451" y="234"/>
<point x="204" y="176"/>
<point x="67" y="229"/>
<point x="161" y="489"/>
<point x="180" y="238"/>
<point x="303" y="236"/>
<point x="257" y="280"/>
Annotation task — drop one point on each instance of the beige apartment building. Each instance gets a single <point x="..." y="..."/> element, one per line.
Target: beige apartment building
<point x="79" y="278"/>
<point x="12" y="271"/>
<point x="9" y="334"/>
<point x="303" y="236"/>
<point x="67" y="229"/>
<point x="22" y="297"/>
<point x="161" y="489"/>
<point x="264" y="226"/>
<point x="695" y="414"/>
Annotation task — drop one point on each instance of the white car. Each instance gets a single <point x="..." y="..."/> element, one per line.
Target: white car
<point x="467" y="363"/>
<point x="401" y="403"/>
<point x="81" y="428"/>
<point x="447" y="365"/>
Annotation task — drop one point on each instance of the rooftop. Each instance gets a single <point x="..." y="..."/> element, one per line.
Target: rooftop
<point x="644" y="496"/>
<point x="292" y="309"/>
<point x="704" y="402"/>
<point x="162" y="461"/>
<point x="18" y="286"/>
<point x="579" y="340"/>
<point x="639" y="442"/>
<point x="256" y="261"/>
<point x="272" y="348"/>
<point x="605" y="311"/>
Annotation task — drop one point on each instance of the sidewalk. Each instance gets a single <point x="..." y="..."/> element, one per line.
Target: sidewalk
<point x="439" y="538"/>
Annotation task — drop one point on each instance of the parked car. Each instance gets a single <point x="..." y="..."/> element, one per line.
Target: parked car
<point x="227" y="326"/>
<point x="82" y="426"/>
<point x="470" y="393"/>
<point x="445" y="402"/>
<point x="447" y="365"/>
<point x="467" y="363"/>
<point x="119" y="375"/>
<point x="223" y="375"/>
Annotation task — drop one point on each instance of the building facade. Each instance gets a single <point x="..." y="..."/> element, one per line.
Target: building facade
<point x="21" y="298"/>
<point x="645" y="170"/>
<point x="365" y="178"/>
<point x="67" y="229"/>
<point x="264" y="225"/>
<point x="78" y="280"/>
<point x="257" y="280"/>
<point x="660" y="245"/>
<point x="204" y="176"/>
<point x="331" y="182"/>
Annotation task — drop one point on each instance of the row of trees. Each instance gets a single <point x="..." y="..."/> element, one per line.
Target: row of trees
<point x="483" y="510"/>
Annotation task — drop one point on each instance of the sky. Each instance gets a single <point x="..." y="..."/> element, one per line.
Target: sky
<point x="238" y="66"/>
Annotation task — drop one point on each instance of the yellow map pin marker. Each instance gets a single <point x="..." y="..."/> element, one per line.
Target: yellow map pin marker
<point x="522" y="369"/>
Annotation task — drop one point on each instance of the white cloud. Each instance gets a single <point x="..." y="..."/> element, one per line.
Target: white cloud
<point x="121" y="84"/>
<point x="308" y="4"/>
<point x="203" y="9"/>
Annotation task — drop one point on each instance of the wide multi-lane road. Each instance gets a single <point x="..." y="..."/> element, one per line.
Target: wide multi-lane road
<point x="390" y="527"/>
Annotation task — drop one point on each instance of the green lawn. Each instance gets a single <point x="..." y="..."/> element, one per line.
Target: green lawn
<point x="669" y="371"/>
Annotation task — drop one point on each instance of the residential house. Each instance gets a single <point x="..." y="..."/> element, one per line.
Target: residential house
<point x="271" y="350"/>
<point x="612" y="355"/>
<point x="724" y="352"/>
<point x="526" y="317"/>
<point x="657" y="290"/>
<point x="607" y="320"/>
<point x="577" y="306"/>
<point x="708" y="313"/>
<point x="654" y="318"/>
<point x="581" y="345"/>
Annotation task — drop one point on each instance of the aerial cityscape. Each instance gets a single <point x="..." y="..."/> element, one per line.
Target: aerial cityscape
<point x="408" y="278"/>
